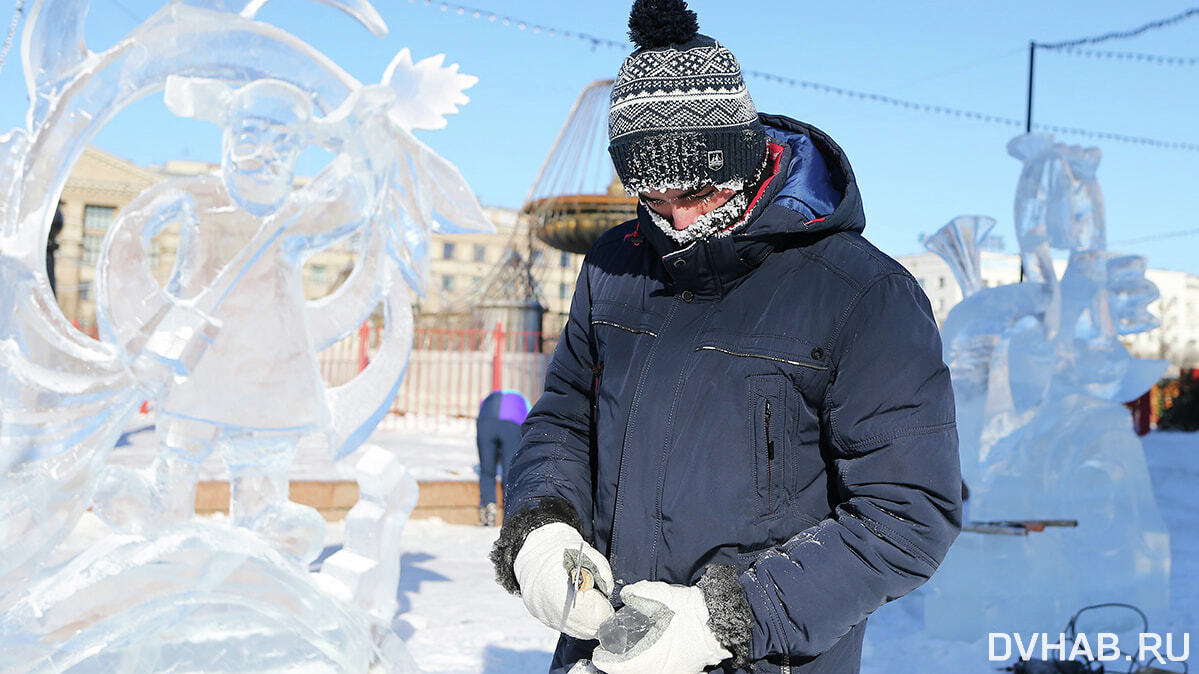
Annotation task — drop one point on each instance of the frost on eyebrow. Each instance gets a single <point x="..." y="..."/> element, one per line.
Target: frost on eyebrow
<point x="710" y="224"/>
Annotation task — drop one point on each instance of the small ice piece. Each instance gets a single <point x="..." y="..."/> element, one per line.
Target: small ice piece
<point x="368" y="565"/>
<point x="623" y="630"/>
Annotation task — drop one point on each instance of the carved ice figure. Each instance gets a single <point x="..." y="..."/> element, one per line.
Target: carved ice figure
<point x="1039" y="377"/>
<point x="180" y="593"/>
<point x="243" y="239"/>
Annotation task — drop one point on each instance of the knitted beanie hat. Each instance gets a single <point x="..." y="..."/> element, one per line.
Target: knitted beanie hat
<point x="680" y="115"/>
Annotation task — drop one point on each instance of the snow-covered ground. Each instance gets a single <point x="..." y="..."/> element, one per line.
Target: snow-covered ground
<point x="455" y="619"/>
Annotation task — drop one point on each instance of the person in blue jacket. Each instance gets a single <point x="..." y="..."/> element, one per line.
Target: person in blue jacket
<point x="497" y="435"/>
<point x="747" y="432"/>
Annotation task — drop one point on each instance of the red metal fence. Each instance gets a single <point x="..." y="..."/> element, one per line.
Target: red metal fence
<point x="449" y="371"/>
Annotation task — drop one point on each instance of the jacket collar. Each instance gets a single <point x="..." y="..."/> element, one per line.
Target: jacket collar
<point x="708" y="268"/>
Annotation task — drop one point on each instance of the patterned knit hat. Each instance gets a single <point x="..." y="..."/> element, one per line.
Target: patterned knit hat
<point x="681" y="116"/>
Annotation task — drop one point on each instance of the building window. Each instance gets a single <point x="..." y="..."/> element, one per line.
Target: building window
<point x="563" y="291"/>
<point x="480" y="252"/>
<point x="155" y="254"/>
<point x="447" y="250"/>
<point x="447" y="281"/>
<point x="320" y="273"/>
<point x="98" y="217"/>
<point x="85" y="290"/>
<point x="536" y="257"/>
<point x="564" y="260"/>
<point x="940" y="281"/>
<point x="91" y="248"/>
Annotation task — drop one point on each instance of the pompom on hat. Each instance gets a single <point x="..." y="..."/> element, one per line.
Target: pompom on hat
<point x="680" y="114"/>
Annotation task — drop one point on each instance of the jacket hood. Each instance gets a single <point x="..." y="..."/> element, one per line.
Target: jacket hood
<point x="819" y="196"/>
<point x="820" y="193"/>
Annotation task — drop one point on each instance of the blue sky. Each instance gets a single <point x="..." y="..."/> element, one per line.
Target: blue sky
<point x="916" y="170"/>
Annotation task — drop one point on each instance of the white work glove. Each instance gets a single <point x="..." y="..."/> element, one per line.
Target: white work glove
<point x="543" y="567"/>
<point x="679" y="642"/>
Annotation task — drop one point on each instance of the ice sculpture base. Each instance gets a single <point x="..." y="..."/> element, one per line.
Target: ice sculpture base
<point x="201" y="596"/>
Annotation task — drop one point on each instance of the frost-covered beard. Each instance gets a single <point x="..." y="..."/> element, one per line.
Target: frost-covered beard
<point x="715" y="223"/>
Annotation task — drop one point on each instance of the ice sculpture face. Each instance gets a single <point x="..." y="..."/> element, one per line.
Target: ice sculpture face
<point x="262" y="142"/>
<point x="226" y="351"/>
<point x="1039" y="377"/>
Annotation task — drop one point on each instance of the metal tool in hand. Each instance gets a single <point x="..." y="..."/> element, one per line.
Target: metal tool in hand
<point x="579" y="580"/>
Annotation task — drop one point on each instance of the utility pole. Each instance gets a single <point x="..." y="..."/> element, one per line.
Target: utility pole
<point x="1032" y="55"/>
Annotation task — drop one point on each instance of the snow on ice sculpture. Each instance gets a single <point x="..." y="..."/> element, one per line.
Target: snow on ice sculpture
<point x="227" y="350"/>
<point x="1039" y="376"/>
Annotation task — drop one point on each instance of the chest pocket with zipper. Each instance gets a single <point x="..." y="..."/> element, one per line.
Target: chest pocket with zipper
<point x="782" y="428"/>
<point x="768" y="424"/>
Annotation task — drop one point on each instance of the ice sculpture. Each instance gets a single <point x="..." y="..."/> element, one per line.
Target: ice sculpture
<point x="227" y="349"/>
<point x="1039" y="376"/>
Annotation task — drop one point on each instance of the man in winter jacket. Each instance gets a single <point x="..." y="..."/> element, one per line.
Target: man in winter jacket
<point x="747" y="432"/>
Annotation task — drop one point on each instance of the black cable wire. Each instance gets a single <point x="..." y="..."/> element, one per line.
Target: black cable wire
<point x="1124" y="34"/>
<point x="1072" y="629"/>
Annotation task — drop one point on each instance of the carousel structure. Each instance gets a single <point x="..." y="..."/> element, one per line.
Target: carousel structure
<point x="576" y="196"/>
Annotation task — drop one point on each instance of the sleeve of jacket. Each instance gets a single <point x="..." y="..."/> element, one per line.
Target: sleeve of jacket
<point x="554" y="458"/>
<point x="890" y="442"/>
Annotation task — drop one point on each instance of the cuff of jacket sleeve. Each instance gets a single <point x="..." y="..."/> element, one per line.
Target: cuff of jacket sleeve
<point x="517" y="526"/>
<point x="729" y="616"/>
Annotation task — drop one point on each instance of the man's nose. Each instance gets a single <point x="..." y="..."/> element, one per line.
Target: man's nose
<point x="683" y="217"/>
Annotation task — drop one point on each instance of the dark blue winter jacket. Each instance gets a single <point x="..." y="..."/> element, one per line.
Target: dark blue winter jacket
<point x="774" y="401"/>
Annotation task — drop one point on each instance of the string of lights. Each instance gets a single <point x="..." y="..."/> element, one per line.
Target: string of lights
<point x="1134" y="56"/>
<point x="927" y="108"/>
<point x="521" y="24"/>
<point x="12" y="31"/>
<point x="1122" y="34"/>
<point x="1118" y="137"/>
<point x="888" y="100"/>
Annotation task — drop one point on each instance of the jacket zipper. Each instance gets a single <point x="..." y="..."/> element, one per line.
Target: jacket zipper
<point x="769" y="462"/>
<point x="758" y="355"/>
<point x="614" y="550"/>
<point x="626" y="328"/>
<point x="597" y="371"/>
